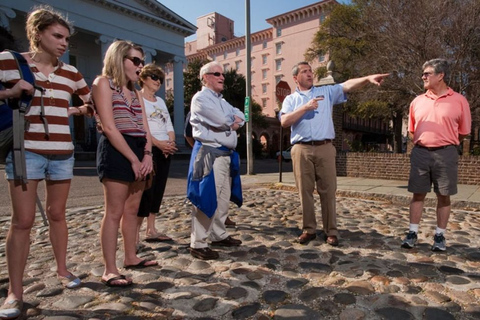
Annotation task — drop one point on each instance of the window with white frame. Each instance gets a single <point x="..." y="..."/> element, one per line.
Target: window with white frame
<point x="237" y="65"/>
<point x="277" y="79"/>
<point x="278" y="48"/>
<point x="225" y="67"/>
<point x="264" y="59"/>
<point x="264" y="74"/>
<point x="264" y="44"/>
<point x="264" y="88"/>
<point x="264" y="103"/>
<point x="225" y="55"/>
<point x="279" y="32"/>
<point x="237" y="52"/>
<point x="278" y="64"/>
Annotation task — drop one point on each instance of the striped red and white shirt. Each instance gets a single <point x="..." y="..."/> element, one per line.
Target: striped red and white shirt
<point x="128" y="116"/>
<point x="59" y="86"/>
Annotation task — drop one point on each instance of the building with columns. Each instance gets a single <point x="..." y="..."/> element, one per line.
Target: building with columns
<point x="160" y="31"/>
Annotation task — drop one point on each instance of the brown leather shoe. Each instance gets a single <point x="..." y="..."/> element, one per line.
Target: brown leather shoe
<point x="227" y="242"/>
<point x="306" y="237"/>
<point x="332" y="240"/>
<point x="229" y="223"/>
<point x="204" y="253"/>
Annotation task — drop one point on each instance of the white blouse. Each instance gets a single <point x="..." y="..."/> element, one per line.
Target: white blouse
<point x="158" y="118"/>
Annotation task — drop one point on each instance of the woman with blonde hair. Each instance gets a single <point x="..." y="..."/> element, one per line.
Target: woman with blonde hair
<point x="48" y="146"/>
<point x="124" y="156"/>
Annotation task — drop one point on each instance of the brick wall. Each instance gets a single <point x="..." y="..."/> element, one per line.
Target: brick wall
<point x="395" y="166"/>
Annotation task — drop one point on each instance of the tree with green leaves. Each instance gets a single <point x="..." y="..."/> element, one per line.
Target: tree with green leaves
<point x="398" y="36"/>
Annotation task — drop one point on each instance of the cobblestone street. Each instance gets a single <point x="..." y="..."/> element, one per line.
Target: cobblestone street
<point x="270" y="275"/>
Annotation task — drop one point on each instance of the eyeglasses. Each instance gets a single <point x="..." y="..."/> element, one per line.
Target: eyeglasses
<point x="136" y="61"/>
<point x="217" y="74"/>
<point x="427" y="74"/>
<point x="153" y="77"/>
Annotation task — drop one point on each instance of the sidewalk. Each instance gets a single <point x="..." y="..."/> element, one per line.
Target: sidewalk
<point x="468" y="196"/>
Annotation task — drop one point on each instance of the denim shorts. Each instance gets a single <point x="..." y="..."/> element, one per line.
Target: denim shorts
<point x="42" y="166"/>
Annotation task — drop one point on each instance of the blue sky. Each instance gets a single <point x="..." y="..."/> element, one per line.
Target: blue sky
<point x="260" y="10"/>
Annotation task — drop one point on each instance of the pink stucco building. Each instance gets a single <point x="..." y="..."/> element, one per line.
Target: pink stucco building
<point x="274" y="50"/>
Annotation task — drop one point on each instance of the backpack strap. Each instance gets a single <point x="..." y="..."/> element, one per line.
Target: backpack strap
<point x="19" y="165"/>
<point x="19" y="124"/>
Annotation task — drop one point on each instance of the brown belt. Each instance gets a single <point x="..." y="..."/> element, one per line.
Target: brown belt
<point x="434" y="148"/>
<point x="316" y="142"/>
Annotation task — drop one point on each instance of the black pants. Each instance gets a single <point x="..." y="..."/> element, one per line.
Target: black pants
<point x="152" y="198"/>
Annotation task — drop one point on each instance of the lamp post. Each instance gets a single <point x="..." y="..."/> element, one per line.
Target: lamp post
<point x="248" y="80"/>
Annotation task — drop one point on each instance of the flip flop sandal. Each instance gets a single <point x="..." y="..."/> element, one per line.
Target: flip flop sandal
<point x="158" y="238"/>
<point x="110" y="282"/>
<point x="142" y="265"/>
<point x="11" y="309"/>
<point x="70" y="282"/>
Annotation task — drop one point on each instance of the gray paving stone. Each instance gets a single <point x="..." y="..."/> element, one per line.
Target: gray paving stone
<point x="296" y="312"/>
<point x="274" y="296"/>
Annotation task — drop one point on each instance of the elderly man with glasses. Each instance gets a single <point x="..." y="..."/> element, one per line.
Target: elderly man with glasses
<point x="214" y="177"/>
<point x="439" y="119"/>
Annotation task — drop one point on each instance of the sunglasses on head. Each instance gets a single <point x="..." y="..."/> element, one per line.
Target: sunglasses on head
<point x="217" y="74"/>
<point x="153" y="77"/>
<point x="136" y="61"/>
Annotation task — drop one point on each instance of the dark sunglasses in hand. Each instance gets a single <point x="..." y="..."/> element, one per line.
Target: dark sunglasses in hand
<point x="217" y="74"/>
<point x="136" y="61"/>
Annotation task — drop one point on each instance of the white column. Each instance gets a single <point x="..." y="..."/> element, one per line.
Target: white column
<point x="178" y="109"/>
<point x="149" y="54"/>
<point x="5" y="15"/>
<point x="161" y="92"/>
<point x="104" y="42"/>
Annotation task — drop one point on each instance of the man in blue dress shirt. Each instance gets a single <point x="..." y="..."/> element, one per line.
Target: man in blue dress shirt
<point x="308" y="111"/>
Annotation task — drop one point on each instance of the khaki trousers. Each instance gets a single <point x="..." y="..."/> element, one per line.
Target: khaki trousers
<point x="315" y="166"/>
<point x="214" y="228"/>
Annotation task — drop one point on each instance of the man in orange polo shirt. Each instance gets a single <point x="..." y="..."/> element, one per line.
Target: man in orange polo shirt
<point x="439" y="119"/>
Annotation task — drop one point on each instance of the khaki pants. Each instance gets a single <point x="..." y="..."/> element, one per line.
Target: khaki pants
<point x="204" y="227"/>
<point x="315" y="166"/>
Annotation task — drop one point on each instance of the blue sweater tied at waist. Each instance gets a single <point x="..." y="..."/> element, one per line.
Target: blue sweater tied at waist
<point x="201" y="189"/>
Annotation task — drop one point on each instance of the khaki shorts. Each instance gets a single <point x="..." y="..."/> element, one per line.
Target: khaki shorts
<point x="439" y="167"/>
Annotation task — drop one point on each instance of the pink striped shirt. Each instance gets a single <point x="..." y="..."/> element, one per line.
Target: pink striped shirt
<point x="128" y="118"/>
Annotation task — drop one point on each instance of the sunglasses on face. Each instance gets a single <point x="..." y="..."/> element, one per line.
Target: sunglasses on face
<point x="136" y="61"/>
<point x="217" y="74"/>
<point x="427" y="74"/>
<point x="153" y="77"/>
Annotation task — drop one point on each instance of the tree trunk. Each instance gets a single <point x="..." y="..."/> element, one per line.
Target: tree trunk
<point x="397" y="132"/>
